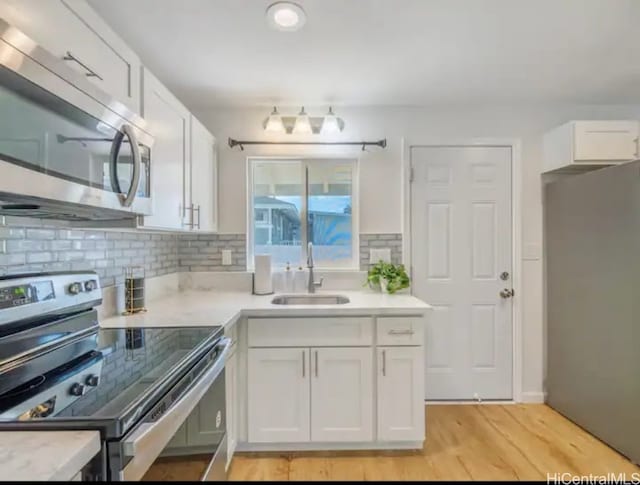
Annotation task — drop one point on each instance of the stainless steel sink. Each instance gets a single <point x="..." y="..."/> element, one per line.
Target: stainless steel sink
<point x="310" y="300"/>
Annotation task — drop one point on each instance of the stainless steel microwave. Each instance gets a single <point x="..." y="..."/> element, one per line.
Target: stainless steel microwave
<point x="67" y="149"/>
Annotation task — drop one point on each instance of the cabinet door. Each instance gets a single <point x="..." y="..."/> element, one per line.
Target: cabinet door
<point x="207" y="422"/>
<point x="605" y="140"/>
<point x="278" y="395"/>
<point x="168" y="121"/>
<point x="231" y="372"/>
<point x="71" y="30"/>
<point x="204" y="184"/>
<point x="400" y="394"/>
<point x="179" y="439"/>
<point x="342" y="394"/>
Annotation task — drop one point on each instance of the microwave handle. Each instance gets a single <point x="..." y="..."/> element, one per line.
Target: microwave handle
<point x="126" y="199"/>
<point x="147" y="441"/>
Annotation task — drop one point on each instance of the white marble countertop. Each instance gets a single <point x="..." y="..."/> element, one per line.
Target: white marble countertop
<point x="45" y="455"/>
<point x="60" y="455"/>
<point x="209" y="308"/>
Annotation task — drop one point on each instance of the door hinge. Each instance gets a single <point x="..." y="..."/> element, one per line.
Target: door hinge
<point x="411" y="174"/>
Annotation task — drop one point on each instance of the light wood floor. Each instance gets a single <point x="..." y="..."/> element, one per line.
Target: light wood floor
<point x="464" y="442"/>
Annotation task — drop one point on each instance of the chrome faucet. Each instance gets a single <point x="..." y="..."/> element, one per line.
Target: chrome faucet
<point x="312" y="285"/>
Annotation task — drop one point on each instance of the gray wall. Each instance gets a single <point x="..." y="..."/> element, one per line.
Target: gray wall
<point x="28" y="245"/>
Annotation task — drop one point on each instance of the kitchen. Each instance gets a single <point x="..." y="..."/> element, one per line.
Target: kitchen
<point x="163" y="216"/>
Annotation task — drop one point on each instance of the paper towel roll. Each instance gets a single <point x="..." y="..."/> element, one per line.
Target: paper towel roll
<point x="262" y="283"/>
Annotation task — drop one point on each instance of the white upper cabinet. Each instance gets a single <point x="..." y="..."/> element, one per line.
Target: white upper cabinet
<point x="72" y="31"/>
<point x="584" y="144"/>
<point x="204" y="174"/>
<point x="342" y="394"/>
<point x="169" y="122"/>
<point x="400" y="394"/>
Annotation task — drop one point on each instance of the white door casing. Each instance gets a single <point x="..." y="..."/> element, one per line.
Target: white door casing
<point x="461" y="243"/>
<point x="342" y="394"/>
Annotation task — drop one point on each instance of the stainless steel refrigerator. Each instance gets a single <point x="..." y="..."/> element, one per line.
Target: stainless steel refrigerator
<point x="592" y="245"/>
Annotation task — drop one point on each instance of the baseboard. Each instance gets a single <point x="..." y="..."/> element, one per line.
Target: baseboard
<point x="468" y="402"/>
<point x="291" y="447"/>
<point x="533" y="397"/>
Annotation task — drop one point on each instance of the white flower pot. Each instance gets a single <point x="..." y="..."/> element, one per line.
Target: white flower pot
<point x="383" y="285"/>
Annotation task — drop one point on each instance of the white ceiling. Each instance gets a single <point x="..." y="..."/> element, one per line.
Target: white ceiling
<point x="388" y="52"/>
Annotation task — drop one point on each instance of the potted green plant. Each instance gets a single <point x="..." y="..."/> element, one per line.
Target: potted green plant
<point x="389" y="277"/>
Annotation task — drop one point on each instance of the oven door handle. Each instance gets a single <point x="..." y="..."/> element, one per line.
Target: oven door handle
<point x="146" y="442"/>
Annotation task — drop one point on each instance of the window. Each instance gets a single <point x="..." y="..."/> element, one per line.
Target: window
<point x="294" y="202"/>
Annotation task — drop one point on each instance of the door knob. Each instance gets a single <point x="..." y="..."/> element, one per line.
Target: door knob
<point x="506" y="293"/>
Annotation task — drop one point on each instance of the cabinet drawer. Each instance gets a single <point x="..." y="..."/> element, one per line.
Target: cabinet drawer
<point x="400" y="330"/>
<point x="310" y="332"/>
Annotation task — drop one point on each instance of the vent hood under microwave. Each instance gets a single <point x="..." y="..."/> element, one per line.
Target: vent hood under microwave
<point x="68" y="150"/>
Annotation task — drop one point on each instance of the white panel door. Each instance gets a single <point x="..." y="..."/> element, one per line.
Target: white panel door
<point x="460" y="247"/>
<point x="204" y="183"/>
<point x="278" y="395"/>
<point x="342" y="394"/>
<point x="168" y="121"/>
<point x="400" y="394"/>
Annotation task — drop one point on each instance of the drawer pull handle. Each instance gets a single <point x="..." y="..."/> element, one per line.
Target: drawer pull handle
<point x="401" y="332"/>
<point x="304" y="366"/>
<point x="316" y="363"/>
<point x="384" y="363"/>
<point x="90" y="72"/>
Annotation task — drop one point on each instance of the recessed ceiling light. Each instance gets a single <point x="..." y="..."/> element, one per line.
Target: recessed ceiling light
<point x="286" y="16"/>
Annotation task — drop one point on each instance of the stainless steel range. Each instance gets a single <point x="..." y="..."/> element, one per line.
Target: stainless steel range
<point x="137" y="386"/>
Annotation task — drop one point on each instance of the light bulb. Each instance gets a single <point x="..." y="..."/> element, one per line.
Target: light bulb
<point x="330" y="124"/>
<point x="302" y="125"/>
<point x="286" y="17"/>
<point x="274" y="123"/>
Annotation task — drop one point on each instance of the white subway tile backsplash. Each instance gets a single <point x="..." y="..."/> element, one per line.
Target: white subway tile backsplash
<point x="34" y="245"/>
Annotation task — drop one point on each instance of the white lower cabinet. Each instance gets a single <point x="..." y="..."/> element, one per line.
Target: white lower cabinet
<point x="400" y="393"/>
<point x="279" y="395"/>
<point x="307" y="394"/>
<point x="342" y="394"/>
<point x="348" y="391"/>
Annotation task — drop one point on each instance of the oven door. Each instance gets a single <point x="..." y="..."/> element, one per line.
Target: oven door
<point x="184" y="436"/>
<point x="62" y="138"/>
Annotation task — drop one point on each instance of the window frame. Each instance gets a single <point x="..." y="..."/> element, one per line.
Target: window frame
<point x="306" y="161"/>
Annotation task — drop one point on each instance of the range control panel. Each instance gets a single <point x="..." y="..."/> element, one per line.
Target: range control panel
<point x="24" y="294"/>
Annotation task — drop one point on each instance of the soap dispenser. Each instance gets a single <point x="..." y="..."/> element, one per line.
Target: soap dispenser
<point x="288" y="278"/>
